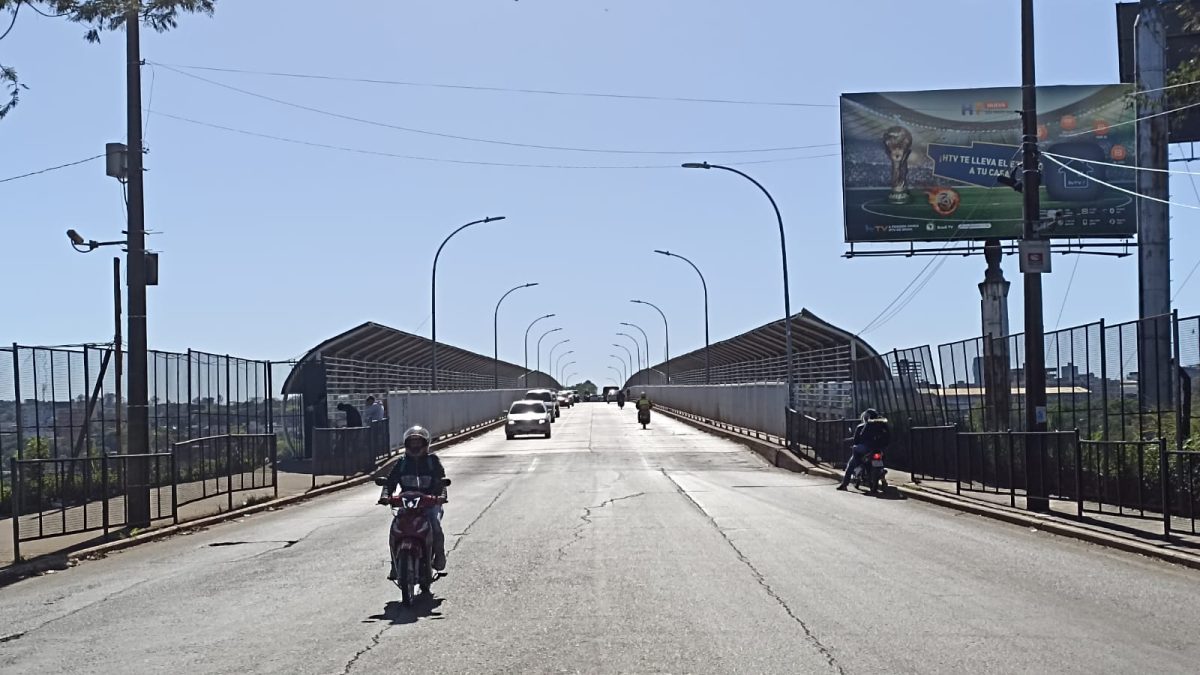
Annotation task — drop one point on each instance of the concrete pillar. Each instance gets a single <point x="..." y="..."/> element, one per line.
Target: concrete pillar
<point x="994" y="363"/>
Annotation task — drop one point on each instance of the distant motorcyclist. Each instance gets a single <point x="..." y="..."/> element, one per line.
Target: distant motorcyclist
<point x="870" y="435"/>
<point x="643" y="402"/>
<point x="621" y="399"/>
<point x="420" y="471"/>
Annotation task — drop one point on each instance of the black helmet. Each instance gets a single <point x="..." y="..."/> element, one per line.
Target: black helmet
<point x="417" y="440"/>
<point x="870" y="414"/>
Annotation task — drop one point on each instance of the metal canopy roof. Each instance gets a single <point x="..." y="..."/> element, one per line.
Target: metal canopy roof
<point x="809" y="333"/>
<point x="375" y="343"/>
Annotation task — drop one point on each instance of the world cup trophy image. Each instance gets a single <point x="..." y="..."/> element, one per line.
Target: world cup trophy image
<point x="898" y="142"/>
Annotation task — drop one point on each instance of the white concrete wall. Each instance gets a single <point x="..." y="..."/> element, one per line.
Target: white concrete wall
<point x="445" y="412"/>
<point x="753" y="406"/>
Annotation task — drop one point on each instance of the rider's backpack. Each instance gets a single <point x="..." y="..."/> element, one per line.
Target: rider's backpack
<point x="876" y="435"/>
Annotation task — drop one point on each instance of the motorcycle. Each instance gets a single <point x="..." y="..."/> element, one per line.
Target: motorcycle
<point x="871" y="472"/>
<point x="643" y="417"/>
<point x="410" y="540"/>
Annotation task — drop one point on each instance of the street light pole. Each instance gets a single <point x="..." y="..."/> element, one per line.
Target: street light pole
<point x="704" y="285"/>
<point x="638" y="347"/>
<point x="620" y="361"/>
<point x="787" y="298"/>
<point x="645" y="339"/>
<point x="563" y="370"/>
<point x="666" y="337"/>
<point x="550" y="357"/>
<point x="539" y="349"/>
<point x="433" y="296"/>
<point x="558" y="370"/>
<point x="632" y="372"/>
<point x="496" y="332"/>
<point x="540" y="318"/>
<point x="621" y="372"/>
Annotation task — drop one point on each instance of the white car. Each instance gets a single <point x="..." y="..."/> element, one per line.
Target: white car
<point x="528" y="417"/>
<point x="546" y="396"/>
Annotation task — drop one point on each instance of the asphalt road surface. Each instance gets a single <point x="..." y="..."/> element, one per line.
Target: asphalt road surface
<point x="612" y="549"/>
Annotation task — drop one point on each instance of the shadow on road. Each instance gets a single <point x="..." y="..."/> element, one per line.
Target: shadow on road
<point x="891" y="493"/>
<point x="396" y="614"/>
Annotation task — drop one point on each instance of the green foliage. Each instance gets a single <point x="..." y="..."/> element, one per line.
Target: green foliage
<point x="97" y="17"/>
<point x="586" y="388"/>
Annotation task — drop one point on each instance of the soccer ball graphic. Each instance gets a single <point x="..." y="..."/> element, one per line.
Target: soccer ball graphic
<point x="944" y="201"/>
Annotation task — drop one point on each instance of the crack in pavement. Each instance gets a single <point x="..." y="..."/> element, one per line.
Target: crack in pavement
<point x="359" y="654"/>
<point x="20" y="634"/>
<point x="586" y="519"/>
<point x="758" y="577"/>
<point x="467" y="529"/>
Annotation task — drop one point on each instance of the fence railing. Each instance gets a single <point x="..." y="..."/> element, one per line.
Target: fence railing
<point x="349" y="451"/>
<point x="61" y="496"/>
<point x="1135" y="479"/>
<point x="52" y="497"/>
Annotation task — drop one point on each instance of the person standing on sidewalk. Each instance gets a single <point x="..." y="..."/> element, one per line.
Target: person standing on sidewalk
<point x="374" y="412"/>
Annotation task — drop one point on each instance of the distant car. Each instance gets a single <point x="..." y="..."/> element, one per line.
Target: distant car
<point x="545" y="396"/>
<point x="528" y="417"/>
<point x="565" y="400"/>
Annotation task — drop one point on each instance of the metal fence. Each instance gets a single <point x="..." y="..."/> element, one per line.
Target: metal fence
<point x="60" y="496"/>
<point x="70" y="401"/>
<point x="348" y="451"/>
<point x="1097" y="381"/>
<point x="1134" y="479"/>
<point x="56" y="496"/>
<point x="222" y="465"/>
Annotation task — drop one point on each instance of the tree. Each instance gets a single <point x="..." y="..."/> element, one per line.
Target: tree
<point x="97" y="16"/>
<point x="586" y="388"/>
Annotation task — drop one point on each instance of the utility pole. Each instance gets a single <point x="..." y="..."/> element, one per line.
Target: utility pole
<point x="138" y="470"/>
<point x="1035" y="343"/>
<point x="1155" y="373"/>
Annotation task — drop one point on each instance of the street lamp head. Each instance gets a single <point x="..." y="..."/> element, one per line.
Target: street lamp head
<point x="696" y="165"/>
<point x="661" y="252"/>
<point x="76" y="239"/>
<point x="492" y="219"/>
<point x="530" y="285"/>
<point x="639" y="302"/>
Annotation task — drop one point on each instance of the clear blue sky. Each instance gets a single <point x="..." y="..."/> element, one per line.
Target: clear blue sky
<point x="268" y="247"/>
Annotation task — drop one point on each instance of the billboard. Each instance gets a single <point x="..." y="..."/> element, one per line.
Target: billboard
<point x="926" y="166"/>
<point x="1183" y="44"/>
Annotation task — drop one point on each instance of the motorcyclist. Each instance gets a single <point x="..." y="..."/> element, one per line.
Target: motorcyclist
<point x="643" y="403"/>
<point x="621" y="399"/>
<point x="870" y="435"/>
<point x="420" y="471"/>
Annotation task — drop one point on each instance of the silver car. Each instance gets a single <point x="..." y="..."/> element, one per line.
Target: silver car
<point x="528" y="417"/>
<point x="550" y="398"/>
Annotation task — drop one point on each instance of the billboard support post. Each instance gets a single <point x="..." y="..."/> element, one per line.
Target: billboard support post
<point x="1035" y="343"/>
<point x="1154" y="238"/>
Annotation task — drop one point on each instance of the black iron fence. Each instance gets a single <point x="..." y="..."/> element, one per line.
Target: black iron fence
<point x="60" y="496"/>
<point x="56" y="496"/>
<point x="69" y="402"/>
<point x="1138" y="479"/>
<point x="349" y="451"/>
<point x="222" y="465"/>
<point x="1132" y="381"/>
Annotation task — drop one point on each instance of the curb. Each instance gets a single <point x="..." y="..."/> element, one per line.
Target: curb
<point x="50" y="561"/>
<point x="1053" y="525"/>
<point x="784" y="459"/>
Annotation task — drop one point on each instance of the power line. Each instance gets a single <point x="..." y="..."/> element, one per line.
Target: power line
<point x="1070" y="282"/>
<point x="445" y="160"/>
<point x="515" y="90"/>
<point x="53" y="168"/>
<point x="1188" y="278"/>
<point x="1140" y="119"/>
<point x="1122" y="166"/>
<point x="474" y="139"/>
<point x="1072" y="169"/>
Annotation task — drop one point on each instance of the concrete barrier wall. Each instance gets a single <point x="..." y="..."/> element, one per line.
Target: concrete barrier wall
<point x="445" y="412"/>
<point x="753" y="406"/>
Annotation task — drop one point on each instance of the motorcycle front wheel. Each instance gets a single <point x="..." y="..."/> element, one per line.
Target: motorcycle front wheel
<point x="408" y="570"/>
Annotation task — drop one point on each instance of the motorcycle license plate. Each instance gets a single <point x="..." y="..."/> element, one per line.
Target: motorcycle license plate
<point x="877" y="462"/>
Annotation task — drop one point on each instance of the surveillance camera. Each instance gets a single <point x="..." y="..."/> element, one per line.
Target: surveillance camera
<point x="75" y="238"/>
